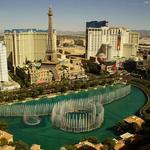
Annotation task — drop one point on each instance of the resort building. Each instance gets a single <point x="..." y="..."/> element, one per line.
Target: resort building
<point x="53" y="65"/>
<point x="67" y="41"/>
<point x="9" y="86"/>
<point x="119" y="144"/>
<point x="72" y="68"/>
<point x="134" y="119"/>
<point x="3" y="63"/>
<point x="111" y="41"/>
<point x="6" y="83"/>
<point x="146" y="60"/>
<point x="35" y="147"/>
<point x="126" y="136"/>
<point x="41" y="75"/>
<point x="34" y="73"/>
<point x="33" y="56"/>
<point x="68" y="68"/>
<point x="109" y="66"/>
<point x="7" y="136"/>
<point x="89" y="145"/>
<point x="25" y="45"/>
<point x="7" y="147"/>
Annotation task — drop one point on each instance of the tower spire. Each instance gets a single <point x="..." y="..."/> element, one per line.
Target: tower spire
<point x="51" y="52"/>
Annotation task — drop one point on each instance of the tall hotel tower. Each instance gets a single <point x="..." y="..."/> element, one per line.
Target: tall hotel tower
<point x="3" y="63"/>
<point x="110" y="41"/>
<point x="30" y="45"/>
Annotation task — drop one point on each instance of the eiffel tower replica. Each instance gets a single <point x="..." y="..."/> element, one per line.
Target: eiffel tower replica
<point x="51" y="61"/>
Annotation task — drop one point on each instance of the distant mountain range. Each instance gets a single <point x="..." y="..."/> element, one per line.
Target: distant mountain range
<point x="144" y="33"/>
<point x="72" y="33"/>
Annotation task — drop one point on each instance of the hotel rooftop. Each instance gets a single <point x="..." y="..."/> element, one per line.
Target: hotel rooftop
<point x="134" y="119"/>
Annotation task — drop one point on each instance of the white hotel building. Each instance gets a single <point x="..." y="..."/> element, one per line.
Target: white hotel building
<point x="104" y="40"/>
<point x="3" y="63"/>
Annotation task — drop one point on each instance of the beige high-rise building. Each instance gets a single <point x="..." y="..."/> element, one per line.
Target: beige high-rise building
<point x="134" y="37"/>
<point x="3" y="63"/>
<point x="111" y="41"/>
<point x="33" y="45"/>
<point x="130" y="48"/>
<point x="26" y="45"/>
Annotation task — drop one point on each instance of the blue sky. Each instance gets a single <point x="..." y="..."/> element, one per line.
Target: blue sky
<point x="72" y="14"/>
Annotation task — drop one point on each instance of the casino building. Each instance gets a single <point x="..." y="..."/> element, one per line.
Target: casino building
<point x="102" y="39"/>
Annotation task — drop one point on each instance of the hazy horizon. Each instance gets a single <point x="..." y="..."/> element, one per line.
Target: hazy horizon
<point x="72" y="15"/>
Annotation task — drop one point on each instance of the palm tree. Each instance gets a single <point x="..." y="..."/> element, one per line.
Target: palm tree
<point x="70" y="147"/>
<point x="20" y="145"/>
<point x="3" y="142"/>
<point x="110" y="143"/>
<point x="3" y="126"/>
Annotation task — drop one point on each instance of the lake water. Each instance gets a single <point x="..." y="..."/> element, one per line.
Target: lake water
<point x="51" y="138"/>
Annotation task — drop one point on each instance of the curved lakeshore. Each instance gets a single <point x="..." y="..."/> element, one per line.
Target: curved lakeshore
<point x="40" y="108"/>
<point x="48" y="136"/>
<point x="143" y="111"/>
<point x="39" y="91"/>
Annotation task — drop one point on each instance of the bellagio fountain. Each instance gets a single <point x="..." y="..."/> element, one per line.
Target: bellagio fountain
<point x="71" y="115"/>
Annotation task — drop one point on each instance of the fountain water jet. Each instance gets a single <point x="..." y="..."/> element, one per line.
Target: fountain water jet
<point x="83" y="114"/>
<point x="77" y="116"/>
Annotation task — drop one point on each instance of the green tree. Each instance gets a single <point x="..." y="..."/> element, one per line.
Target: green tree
<point x="11" y="143"/>
<point x="70" y="147"/>
<point x="20" y="145"/>
<point x="40" y="89"/>
<point x="3" y="126"/>
<point x="3" y="142"/>
<point x="93" y="140"/>
<point x="135" y="127"/>
<point x="105" y="147"/>
<point x="110" y="143"/>
<point x="34" y="93"/>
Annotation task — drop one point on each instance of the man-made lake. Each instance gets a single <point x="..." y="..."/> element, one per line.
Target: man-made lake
<point x="51" y="138"/>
